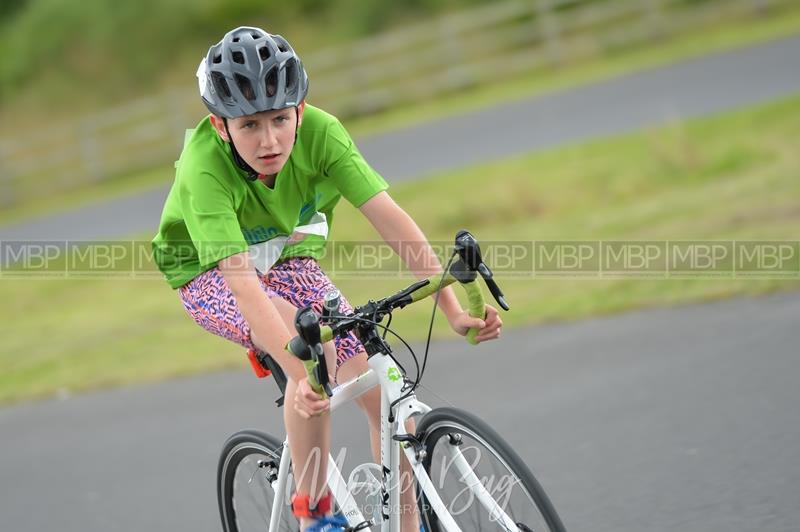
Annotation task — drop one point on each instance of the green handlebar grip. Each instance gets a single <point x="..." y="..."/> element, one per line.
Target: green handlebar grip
<point x="477" y="307"/>
<point x="436" y="284"/>
<point x="310" y="366"/>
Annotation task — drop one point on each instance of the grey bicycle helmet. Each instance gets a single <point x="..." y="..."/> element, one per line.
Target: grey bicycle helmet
<point x="250" y="71"/>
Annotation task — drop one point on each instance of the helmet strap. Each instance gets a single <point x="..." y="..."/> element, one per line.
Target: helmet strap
<point x="296" y="121"/>
<point x="252" y="175"/>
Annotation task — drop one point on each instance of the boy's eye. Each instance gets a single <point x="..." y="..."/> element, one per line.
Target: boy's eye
<point x="282" y="118"/>
<point x="249" y="124"/>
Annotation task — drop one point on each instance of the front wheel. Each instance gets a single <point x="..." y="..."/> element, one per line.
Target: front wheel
<point x="482" y="482"/>
<point x="248" y="468"/>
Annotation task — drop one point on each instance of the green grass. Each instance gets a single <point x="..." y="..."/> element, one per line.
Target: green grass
<point x="729" y="35"/>
<point x="732" y="176"/>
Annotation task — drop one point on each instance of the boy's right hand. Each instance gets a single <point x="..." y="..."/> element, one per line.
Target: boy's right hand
<point x="309" y="403"/>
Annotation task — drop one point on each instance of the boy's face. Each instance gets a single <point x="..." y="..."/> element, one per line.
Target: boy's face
<point x="264" y="140"/>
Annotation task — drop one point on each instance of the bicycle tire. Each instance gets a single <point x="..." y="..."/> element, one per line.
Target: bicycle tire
<point x="240" y="509"/>
<point x="442" y="425"/>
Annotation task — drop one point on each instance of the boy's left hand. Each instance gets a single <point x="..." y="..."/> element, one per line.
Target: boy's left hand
<point x="490" y="327"/>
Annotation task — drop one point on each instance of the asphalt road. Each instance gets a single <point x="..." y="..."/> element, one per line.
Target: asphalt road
<point x="692" y="88"/>
<point x="672" y="419"/>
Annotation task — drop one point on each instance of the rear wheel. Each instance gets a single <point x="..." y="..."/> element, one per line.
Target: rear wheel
<point x="448" y="435"/>
<point x="248" y="465"/>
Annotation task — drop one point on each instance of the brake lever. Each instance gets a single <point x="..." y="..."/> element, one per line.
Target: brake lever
<point x="470" y="251"/>
<point x="487" y="275"/>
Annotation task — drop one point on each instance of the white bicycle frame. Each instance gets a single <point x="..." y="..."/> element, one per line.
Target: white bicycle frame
<point x="385" y="373"/>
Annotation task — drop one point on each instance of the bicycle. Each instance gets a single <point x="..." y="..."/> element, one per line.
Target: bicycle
<point x="454" y="492"/>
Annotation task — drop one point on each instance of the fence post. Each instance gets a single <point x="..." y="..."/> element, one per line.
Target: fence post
<point x="7" y="177"/>
<point x="548" y="20"/>
<point x="8" y="196"/>
<point x="354" y="100"/>
<point x="90" y="151"/>
<point x="452" y="56"/>
<point x="178" y="122"/>
<point x="760" y="7"/>
<point x="653" y="19"/>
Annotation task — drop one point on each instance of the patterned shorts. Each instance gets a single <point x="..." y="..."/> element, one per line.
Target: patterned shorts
<point x="299" y="280"/>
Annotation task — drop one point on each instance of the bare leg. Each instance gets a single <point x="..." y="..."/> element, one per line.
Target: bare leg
<point x="309" y="439"/>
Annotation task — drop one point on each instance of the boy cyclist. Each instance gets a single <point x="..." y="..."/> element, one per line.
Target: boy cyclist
<point x="246" y="219"/>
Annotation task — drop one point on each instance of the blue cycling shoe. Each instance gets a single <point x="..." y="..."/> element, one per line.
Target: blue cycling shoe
<point x="333" y="523"/>
<point x="338" y="523"/>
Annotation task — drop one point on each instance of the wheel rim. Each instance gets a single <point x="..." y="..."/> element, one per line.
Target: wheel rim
<point x="495" y="474"/>
<point x="249" y="493"/>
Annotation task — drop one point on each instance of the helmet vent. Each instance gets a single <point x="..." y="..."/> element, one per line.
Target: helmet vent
<point x="238" y="57"/>
<point x="235" y="39"/>
<point x="220" y="85"/>
<point x="291" y="72"/>
<point x="263" y="52"/>
<point x="245" y="87"/>
<point x="271" y="82"/>
<point x="217" y="59"/>
<point x="282" y="46"/>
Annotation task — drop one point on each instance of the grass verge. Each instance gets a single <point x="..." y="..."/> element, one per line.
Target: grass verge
<point x="732" y="176"/>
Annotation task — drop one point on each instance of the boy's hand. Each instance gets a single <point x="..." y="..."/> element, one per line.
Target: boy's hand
<point x="309" y="403"/>
<point x="489" y="328"/>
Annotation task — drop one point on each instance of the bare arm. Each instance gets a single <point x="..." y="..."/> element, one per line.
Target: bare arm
<point x="400" y="231"/>
<point x="403" y="234"/>
<point x="268" y="330"/>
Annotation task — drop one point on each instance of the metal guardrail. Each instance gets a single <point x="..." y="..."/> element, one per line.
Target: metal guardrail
<point x="483" y="45"/>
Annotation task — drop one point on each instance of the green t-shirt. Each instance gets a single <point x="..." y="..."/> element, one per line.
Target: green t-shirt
<point x="213" y="211"/>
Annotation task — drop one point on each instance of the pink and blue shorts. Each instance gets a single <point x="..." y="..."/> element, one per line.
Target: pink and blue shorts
<point x="298" y="280"/>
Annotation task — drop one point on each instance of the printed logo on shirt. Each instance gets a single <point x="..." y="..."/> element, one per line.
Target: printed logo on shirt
<point x="259" y="233"/>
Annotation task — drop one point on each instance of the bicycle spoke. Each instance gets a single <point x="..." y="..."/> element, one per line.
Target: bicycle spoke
<point x="247" y="466"/>
<point x="482" y="483"/>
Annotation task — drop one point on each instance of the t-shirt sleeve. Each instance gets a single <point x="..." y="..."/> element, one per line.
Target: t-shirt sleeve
<point x="355" y="179"/>
<point x="210" y="217"/>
